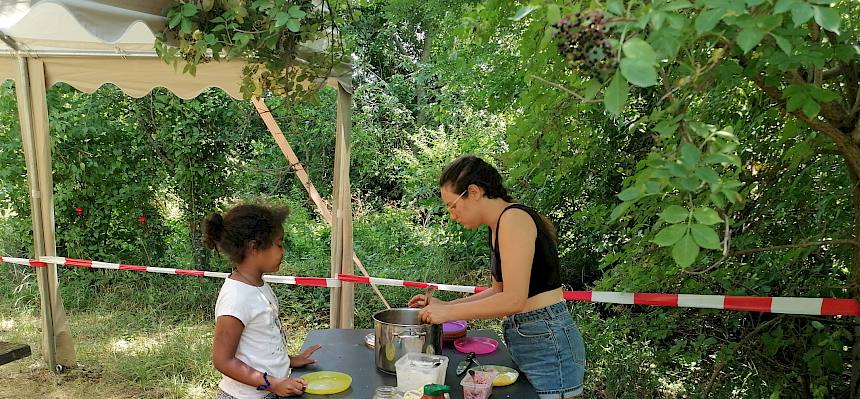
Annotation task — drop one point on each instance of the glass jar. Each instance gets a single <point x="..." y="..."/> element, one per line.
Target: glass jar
<point x="385" y="392"/>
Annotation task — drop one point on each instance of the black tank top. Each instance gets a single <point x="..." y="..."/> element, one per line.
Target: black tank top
<point x="545" y="274"/>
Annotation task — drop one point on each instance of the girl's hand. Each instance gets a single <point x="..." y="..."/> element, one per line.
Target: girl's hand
<point x="303" y="359"/>
<point x="288" y="386"/>
<point x="418" y="301"/>
<point x="435" y="313"/>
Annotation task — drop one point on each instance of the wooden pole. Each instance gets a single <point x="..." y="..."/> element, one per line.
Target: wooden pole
<point x="302" y="175"/>
<point x="33" y="114"/>
<point x="25" y="117"/>
<point x="344" y="199"/>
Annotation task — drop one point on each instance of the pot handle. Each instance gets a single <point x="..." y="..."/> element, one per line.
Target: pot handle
<point x="411" y="334"/>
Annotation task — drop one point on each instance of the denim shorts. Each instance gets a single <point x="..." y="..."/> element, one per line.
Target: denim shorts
<point x="548" y="348"/>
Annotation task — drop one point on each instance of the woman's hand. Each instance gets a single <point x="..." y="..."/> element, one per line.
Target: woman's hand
<point x="436" y="313"/>
<point x="303" y="359"/>
<point x="419" y="301"/>
<point x="287" y="386"/>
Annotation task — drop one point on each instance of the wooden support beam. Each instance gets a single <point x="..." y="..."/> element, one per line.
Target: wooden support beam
<point x="303" y="176"/>
<point x="10" y="352"/>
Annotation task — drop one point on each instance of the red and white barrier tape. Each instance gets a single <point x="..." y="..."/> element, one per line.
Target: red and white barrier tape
<point x="788" y="305"/>
<point x="22" y="261"/>
<point x="305" y="281"/>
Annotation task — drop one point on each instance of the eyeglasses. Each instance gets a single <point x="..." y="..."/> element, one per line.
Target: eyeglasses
<point x="452" y="206"/>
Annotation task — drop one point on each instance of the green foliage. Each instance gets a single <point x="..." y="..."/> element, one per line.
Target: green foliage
<point x="693" y="137"/>
<point x="271" y="36"/>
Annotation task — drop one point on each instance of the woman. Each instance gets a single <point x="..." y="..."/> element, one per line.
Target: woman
<point x="526" y="290"/>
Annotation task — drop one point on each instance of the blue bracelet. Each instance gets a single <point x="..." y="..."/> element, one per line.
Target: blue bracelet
<point x="267" y="384"/>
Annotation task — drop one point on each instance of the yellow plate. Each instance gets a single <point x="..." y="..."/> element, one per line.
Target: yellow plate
<point x="506" y="375"/>
<point x="326" y="382"/>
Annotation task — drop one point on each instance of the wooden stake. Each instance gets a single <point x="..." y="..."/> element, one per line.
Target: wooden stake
<point x="302" y="174"/>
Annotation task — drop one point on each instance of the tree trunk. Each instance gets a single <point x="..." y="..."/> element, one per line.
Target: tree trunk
<point x="420" y="87"/>
<point x="854" y="284"/>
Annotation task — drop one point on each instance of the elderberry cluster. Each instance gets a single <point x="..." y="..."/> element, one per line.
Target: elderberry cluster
<point x="584" y="43"/>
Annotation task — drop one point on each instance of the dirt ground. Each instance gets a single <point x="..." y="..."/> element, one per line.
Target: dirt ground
<point x="29" y="379"/>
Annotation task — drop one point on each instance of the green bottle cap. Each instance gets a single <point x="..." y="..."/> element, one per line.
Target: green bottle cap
<point x="436" y="389"/>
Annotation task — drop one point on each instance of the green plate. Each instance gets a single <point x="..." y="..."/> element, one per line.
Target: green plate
<point x="506" y="375"/>
<point x="326" y="382"/>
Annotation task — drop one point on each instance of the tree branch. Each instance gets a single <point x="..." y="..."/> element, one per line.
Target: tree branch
<point x="799" y="245"/>
<point x="832" y="72"/>
<point x="744" y="252"/>
<point x="719" y="366"/>
<point x="565" y="89"/>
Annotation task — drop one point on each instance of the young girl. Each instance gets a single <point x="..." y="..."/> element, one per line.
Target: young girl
<point x="249" y="347"/>
<point x="539" y="331"/>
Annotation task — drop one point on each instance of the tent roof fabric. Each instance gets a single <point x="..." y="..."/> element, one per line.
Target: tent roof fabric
<point x="89" y="43"/>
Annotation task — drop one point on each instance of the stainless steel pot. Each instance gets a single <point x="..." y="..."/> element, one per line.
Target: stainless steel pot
<point x="399" y="331"/>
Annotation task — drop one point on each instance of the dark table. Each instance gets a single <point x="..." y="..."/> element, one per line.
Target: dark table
<point x="345" y="351"/>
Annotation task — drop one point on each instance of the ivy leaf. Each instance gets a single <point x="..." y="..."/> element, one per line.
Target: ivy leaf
<point x="783" y="6"/>
<point x="620" y="210"/>
<point x="708" y="175"/>
<point x="690" y="155"/>
<point x="185" y="25"/>
<point x="690" y="183"/>
<point x="828" y="18"/>
<point x="615" y="95"/>
<point x="717" y="199"/>
<point x="639" y="62"/>
<point x="553" y="14"/>
<point x="189" y="10"/>
<point x="675" y="214"/>
<point x="705" y="236"/>
<point x="685" y="251"/>
<point x="175" y="20"/>
<point x="800" y="13"/>
<point x="630" y="194"/>
<point x="749" y="37"/>
<point x="294" y="26"/>
<point x="708" y="216"/>
<point x="638" y="72"/>
<point x="615" y="7"/>
<point x="676" y="5"/>
<point x="296" y="12"/>
<point x="783" y="43"/>
<point x="281" y="19"/>
<point x="523" y="12"/>
<point x="640" y="50"/>
<point x="811" y="108"/>
<point x="708" y="20"/>
<point x="670" y="235"/>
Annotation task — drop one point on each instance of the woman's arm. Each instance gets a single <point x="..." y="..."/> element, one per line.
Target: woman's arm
<point x="517" y="233"/>
<point x="228" y="331"/>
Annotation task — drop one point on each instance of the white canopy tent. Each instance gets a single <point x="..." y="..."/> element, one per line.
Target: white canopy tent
<point x="90" y="43"/>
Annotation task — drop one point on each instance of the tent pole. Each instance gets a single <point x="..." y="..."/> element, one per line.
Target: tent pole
<point x="60" y="350"/>
<point x="336" y="229"/>
<point x="344" y="200"/>
<point x="25" y="117"/>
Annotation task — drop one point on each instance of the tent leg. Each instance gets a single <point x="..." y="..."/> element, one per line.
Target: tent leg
<point x="31" y="90"/>
<point x="344" y="201"/>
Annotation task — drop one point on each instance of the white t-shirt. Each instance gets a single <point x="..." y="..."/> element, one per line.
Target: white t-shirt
<point x="262" y="345"/>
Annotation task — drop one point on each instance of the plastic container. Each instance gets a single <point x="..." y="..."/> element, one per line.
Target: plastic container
<point x="479" y="387"/>
<point x="385" y="392"/>
<point x="415" y="370"/>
